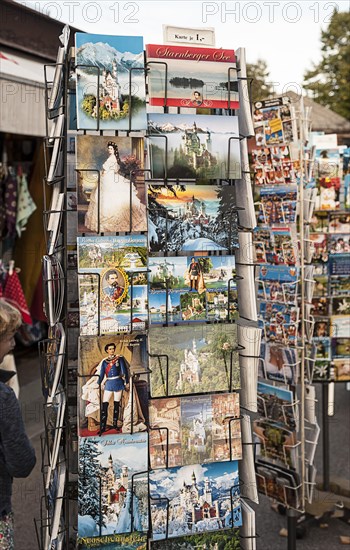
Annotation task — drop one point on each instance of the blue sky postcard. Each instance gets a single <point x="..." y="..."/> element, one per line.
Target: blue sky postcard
<point x="110" y="73"/>
<point x="195" y="499"/>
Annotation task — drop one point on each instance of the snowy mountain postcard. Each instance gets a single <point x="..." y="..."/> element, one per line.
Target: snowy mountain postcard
<point x="110" y="70"/>
<point x="196" y="77"/>
<point x="202" y="359"/>
<point x="191" y="289"/>
<point x="113" y="485"/>
<point x="189" y="218"/>
<point x="110" y="184"/>
<point x="100" y="360"/>
<point x="199" y="428"/>
<point x="217" y="540"/>
<point x="112" y="284"/>
<point x="194" y="499"/>
<point x="197" y="147"/>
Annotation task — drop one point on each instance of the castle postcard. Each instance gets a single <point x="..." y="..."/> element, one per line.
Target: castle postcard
<point x="110" y="87"/>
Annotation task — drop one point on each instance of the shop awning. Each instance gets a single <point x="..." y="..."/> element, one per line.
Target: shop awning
<point x="22" y="95"/>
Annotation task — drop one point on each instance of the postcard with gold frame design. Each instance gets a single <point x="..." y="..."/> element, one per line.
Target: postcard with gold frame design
<point x="113" y="292"/>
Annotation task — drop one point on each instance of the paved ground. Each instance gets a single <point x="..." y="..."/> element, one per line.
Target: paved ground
<point x="28" y="493"/>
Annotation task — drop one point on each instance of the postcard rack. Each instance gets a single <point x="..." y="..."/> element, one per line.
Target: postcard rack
<point x="82" y="412"/>
<point x="294" y="299"/>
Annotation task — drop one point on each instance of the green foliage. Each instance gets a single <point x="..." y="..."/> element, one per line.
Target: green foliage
<point x="329" y="79"/>
<point x="214" y="358"/>
<point x="261" y="87"/>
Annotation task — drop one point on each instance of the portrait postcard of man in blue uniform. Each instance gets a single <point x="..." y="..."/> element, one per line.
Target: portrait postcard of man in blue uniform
<point x="113" y="384"/>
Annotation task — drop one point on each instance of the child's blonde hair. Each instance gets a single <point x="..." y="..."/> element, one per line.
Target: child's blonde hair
<point x="10" y="318"/>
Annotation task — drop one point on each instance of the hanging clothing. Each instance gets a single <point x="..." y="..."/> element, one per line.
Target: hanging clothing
<point x="10" y="204"/>
<point x="31" y="246"/>
<point x="25" y="204"/>
<point x="3" y="179"/>
<point x="13" y="292"/>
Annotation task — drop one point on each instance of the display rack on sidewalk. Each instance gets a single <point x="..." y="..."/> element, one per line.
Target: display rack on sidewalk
<point x="150" y="297"/>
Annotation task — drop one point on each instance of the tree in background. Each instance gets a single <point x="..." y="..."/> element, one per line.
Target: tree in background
<point x="329" y="79"/>
<point x="261" y="86"/>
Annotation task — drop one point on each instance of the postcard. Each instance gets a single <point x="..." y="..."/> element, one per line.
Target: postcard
<point x="273" y="166"/>
<point x="277" y="204"/>
<point x="276" y="245"/>
<point x="187" y="430"/>
<point x="132" y="541"/>
<point x="341" y="346"/>
<point x="200" y="147"/>
<point x="111" y="196"/>
<point x="339" y="286"/>
<point x="208" y="494"/>
<point x="201" y="359"/>
<point x="329" y="194"/>
<point x="339" y="264"/>
<point x="327" y="163"/>
<point x="52" y="361"/>
<point x="278" y="363"/>
<point x="320" y="222"/>
<point x="319" y="247"/>
<point x="224" y="540"/>
<point x="273" y="122"/>
<point x="278" y="283"/>
<point x="321" y="285"/>
<point x="320" y="306"/>
<point x="105" y="500"/>
<point x="185" y="76"/>
<point x="113" y="290"/>
<point x="323" y="348"/>
<point x="110" y="69"/>
<point x="54" y="497"/>
<point x="322" y="328"/>
<point x="338" y="244"/>
<point x="112" y="384"/>
<point x="201" y="288"/>
<point x="321" y="371"/>
<point x="190" y="218"/>
<point x="277" y="404"/>
<point x="341" y="306"/>
<point x="342" y="369"/>
<point x="339" y="223"/>
<point x="282" y="484"/>
<point x="279" y="322"/>
<point x="275" y="443"/>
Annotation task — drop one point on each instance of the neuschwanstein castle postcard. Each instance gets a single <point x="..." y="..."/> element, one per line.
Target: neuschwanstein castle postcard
<point x="200" y="359"/>
<point x="201" y="147"/>
<point x="113" y="485"/>
<point x="110" y="82"/>
<point x="196" y="429"/>
<point x="194" y="499"/>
